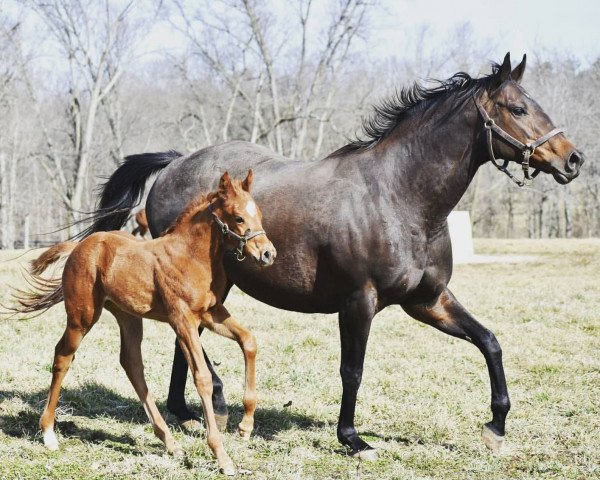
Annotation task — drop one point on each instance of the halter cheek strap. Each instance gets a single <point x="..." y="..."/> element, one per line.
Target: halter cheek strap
<point x="242" y="239"/>
<point x="526" y="149"/>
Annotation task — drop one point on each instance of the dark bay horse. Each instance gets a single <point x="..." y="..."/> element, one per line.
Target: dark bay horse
<point x="366" y="227"/>
<point x="178" y="278"/>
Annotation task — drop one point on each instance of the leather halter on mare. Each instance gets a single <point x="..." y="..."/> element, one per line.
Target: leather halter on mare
<point x="226" y="231"/>
<point x="526" y="149"/>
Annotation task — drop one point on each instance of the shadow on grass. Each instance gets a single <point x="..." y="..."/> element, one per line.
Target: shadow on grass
<point x="268" y="422"/>
<point x="96" y="401"/>
<point x="91" y="400"/>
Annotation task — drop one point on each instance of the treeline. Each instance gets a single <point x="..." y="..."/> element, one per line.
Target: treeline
<point x="84" y="83"/>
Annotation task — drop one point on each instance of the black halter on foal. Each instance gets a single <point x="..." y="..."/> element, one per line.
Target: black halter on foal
<point x="226" y="231"/>
<point x="526" y="149"/>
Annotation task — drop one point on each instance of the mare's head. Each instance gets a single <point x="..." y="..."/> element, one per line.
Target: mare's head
<point x="509" y="107"/>
<point x="241" y="220"/>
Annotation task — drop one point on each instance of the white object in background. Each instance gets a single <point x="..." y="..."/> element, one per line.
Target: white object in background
<point x="461" y="235"/>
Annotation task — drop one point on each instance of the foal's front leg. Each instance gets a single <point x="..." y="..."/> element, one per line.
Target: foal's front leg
<point x="220" y="321"/>
<point x="186" y="327"/>
<point x="449" y="316"/>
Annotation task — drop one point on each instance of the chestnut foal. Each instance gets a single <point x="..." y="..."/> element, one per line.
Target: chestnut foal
<point x="177" y="278"/>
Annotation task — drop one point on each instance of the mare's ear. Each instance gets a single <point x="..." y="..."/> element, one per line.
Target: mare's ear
<point x="503" y="72"/>
<point x="225" y="183"/>
<point x="247" y="183"/>
<point x="517" y="73"/>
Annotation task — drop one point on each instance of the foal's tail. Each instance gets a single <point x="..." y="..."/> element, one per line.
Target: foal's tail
<point x="44" y="292"/>
<point x="124" y="190"/>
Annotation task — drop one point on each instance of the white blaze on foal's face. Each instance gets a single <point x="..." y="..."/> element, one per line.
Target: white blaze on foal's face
<point x="251" y="208"/>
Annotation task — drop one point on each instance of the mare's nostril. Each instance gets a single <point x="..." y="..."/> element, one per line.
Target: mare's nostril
<point x="574" y="162"/>
<point x="267" y="254"/>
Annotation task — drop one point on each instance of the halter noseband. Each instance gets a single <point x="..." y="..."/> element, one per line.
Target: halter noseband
<point x="226" y="231"/>
<point x="526" y="149"/>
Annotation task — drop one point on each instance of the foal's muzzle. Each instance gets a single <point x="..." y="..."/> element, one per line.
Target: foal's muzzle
<point x="267" y="257"/>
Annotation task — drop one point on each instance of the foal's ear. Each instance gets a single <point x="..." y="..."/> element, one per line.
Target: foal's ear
<point x="225" y="183"/>
<point x="247" y="183"/>
<point x="503" y="72"/>
<point x="517" y="73"/>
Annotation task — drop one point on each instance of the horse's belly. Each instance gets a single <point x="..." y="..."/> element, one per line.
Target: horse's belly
<point x="287" y="286"/>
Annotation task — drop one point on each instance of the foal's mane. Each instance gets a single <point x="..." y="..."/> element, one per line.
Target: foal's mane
<point x="393" y="110"/>
<point x="199" y="203"/>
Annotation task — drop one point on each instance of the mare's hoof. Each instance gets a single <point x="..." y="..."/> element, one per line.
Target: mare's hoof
<point x="228" y="469"/>
<point x="50" y="440"/>
<point x="221" y="422"/>
<point x="190" y="426"/>
<point x="492" y="440"/>
<point x="369" y="455"/>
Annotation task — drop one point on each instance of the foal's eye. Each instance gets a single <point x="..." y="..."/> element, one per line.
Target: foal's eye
<point x="239" y="219"/>
<point x="518" y="111"/>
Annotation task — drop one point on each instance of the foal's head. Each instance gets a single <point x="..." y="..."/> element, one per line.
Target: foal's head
<point x="239" y="215"/>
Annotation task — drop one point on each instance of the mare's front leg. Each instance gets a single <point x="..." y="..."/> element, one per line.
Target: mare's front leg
<point x="220" y="321"/>
<point x="449" y="316"/>
<point x="355" y="324"/>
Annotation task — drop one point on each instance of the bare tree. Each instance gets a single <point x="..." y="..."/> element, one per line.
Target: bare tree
<point x="91" y="42"/>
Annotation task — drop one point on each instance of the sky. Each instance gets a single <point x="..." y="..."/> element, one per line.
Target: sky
<point x="569" y="27"/>
<point x="541" y="27"/>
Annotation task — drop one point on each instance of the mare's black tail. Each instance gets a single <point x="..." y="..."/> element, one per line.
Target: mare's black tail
<point x="124" y="190"/>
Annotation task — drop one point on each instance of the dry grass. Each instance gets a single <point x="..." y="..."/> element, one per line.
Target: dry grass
<point x="423" y="400"/>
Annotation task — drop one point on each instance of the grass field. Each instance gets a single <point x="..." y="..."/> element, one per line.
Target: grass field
<point x="423" y="399"/>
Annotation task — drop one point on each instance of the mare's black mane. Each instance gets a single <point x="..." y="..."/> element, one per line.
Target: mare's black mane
<point x="391" y="111"/>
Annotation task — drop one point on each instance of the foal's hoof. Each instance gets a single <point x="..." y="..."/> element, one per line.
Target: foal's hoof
<point x="50" y="440"/>
<point x="221" y="422"/>
<point x="492" y="440"/>
<point x="177" y="452"/>
<point x="190" y="426"/>
<point x="228" y="469"/>
<point x="369" y="455"/>
<point x="245" y="434"/>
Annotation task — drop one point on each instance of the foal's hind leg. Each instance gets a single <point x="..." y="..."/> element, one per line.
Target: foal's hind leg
<point x="449" y="316"/>
<point x="220" y="321"/>
<point x="131" y="328"/>
<point x="80" y="319"/>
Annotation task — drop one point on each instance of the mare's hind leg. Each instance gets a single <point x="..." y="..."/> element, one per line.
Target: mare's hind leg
<point x="449" y="316"/>
<point x="80" y="319"/>
<point x="131" y="328"/>
<point x="185" y="326"/>
<point x="219" y="320"/>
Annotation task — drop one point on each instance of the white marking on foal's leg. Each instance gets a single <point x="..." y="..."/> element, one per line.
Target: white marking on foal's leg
<point x="50" y="440"/>
<point x="251" y="208"/>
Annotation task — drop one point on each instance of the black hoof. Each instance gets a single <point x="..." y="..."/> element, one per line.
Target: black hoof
<point x="182" y="413"/>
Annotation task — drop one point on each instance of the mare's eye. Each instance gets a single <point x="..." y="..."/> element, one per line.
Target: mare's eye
<point x="518" y="111"/>
<point x="239" y="219"/>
